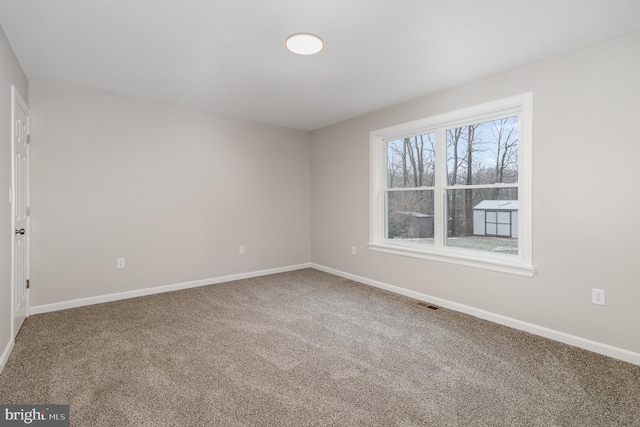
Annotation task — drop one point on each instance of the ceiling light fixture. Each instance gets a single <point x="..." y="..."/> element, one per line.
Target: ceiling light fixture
<point x="304" y="43"/>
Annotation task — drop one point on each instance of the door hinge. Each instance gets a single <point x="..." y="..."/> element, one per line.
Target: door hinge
<point x="28" y="210"/>
<point x="28" y="284"/>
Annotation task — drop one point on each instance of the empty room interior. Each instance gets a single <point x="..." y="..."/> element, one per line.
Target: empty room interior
<point x="431" y="219"/>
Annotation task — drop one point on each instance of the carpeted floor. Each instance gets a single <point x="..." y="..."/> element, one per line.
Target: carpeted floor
<point x="307" y="348"/>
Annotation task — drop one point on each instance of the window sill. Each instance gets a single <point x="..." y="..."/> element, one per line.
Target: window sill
<point x="499" y="265"/>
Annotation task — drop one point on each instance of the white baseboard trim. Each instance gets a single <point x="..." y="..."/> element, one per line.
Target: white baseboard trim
<point x="45" y="308"/>
<point x="596" y="347"/>
<point x="5" y="354"/>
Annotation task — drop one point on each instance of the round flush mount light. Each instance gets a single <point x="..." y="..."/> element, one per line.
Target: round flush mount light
<point x="304" y="43"/>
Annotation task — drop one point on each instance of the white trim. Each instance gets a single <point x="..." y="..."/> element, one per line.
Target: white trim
<point x="449" y="255"/>
<point x="16" y="97"/>
<point x="596" y="347"/>
<point x="159" y="289"/>
<point x="5" y="354"/>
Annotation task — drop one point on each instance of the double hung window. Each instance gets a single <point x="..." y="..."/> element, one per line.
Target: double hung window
<point x="457" y="187"/>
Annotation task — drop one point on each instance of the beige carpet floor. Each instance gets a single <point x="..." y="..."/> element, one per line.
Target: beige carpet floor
<point x="307" y="348"/>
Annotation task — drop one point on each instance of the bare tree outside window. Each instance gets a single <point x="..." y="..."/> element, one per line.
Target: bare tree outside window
<point x="482" y="165"/>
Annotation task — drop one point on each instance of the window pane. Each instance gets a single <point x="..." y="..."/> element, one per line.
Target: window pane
<point x="410" y="215"/>
<point x="410" y="161"/>
<point x="484" y="219"/>
<point x="483" y="153"/>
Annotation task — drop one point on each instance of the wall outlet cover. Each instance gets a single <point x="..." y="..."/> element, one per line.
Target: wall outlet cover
<point x="598" y="296"/>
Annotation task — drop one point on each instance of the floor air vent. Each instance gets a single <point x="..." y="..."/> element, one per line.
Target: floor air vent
<point x="427" y="305"/>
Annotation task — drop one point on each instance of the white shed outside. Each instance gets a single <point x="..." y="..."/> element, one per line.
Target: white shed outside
<point x="496" y="218"/>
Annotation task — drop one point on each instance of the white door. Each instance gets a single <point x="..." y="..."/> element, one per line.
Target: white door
<point x="21" y="211"/>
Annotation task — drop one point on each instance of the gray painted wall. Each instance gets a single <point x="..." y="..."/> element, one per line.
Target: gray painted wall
<point x="174" y="192"/>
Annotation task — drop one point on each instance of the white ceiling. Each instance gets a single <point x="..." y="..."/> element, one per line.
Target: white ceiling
<point x="227" y="57"/>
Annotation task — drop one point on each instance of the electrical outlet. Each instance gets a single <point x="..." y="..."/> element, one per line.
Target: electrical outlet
<point x="120" y="263"/>
<point x="353" y="250"/>
<point x="241" y="250"/>
<point x="597" y="296"/>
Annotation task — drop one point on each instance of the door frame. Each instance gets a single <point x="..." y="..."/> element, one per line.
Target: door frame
<point x="18" y="101"/>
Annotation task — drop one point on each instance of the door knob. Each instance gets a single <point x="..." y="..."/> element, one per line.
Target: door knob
<point x="21" y="231"/>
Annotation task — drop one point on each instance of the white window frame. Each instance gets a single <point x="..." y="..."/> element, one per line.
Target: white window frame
<point x="520" y="264"/>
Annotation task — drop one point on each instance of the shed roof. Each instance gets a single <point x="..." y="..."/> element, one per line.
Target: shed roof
<point x="499" y="205"/>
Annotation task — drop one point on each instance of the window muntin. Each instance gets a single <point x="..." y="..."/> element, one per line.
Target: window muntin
<point x="437" y="182"/>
